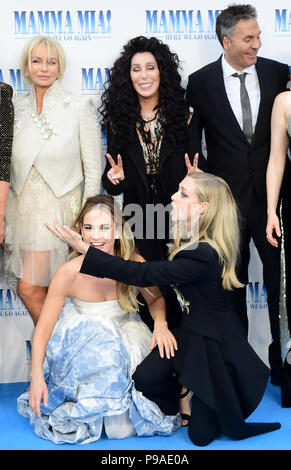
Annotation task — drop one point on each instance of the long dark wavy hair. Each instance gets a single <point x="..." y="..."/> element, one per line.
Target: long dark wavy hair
<point x="120" y="108"/>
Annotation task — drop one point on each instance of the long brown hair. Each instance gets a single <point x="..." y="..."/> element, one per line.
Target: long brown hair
<point x="124" y="246"/>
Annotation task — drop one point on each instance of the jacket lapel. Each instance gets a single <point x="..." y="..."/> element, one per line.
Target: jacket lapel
<point x="265" y="82"/>
<point x="135" y="153"/>
<point x="164" y="153"/>
<point x="218" y="95"/>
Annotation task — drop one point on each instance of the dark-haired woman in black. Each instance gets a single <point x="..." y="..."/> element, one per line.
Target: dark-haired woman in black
<point x="149" y="125"/>
<point x="149" y="130"/>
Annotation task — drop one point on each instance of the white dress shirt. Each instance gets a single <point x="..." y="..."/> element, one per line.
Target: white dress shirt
<point x="232" y="88"/>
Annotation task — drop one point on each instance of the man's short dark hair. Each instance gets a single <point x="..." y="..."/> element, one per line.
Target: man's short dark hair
<point x="228" y="19"/>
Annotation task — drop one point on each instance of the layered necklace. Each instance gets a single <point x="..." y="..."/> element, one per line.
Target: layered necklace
<point x="151" y="132"/>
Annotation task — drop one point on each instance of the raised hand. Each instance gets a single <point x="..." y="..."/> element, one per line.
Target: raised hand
<point x="192" y="168"/>
<point x="69" y="236"/>
<point x="116" y="173"/>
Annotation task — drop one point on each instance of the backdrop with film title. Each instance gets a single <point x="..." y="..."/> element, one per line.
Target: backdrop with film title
<point x="92" y="35"/>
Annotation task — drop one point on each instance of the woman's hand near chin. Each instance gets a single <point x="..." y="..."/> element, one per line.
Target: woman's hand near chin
<point x="69" y="236"/>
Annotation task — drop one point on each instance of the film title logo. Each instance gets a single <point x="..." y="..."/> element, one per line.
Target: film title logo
<point x="14" y="79"/>
<point x="283" y="22"/>
<point x="63" y="25"/>
<point x="94" y="78"/>
<point x="182" y="24"/>
<point x="11" y="305"/>
<point x="257" y="295"/>
<point x="28" y="350"/>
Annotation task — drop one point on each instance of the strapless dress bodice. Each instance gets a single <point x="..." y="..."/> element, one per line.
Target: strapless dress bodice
<point x="107" y="308"/>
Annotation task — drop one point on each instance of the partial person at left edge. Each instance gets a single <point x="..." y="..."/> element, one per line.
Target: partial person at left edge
<point x="55" y="166"/>
<point x="6" y="137"/>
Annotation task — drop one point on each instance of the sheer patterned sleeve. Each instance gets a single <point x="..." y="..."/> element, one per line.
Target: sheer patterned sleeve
<point x="6" y="130"/>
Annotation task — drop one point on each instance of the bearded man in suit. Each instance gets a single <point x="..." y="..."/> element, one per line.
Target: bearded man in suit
<point x="232" y="100"/>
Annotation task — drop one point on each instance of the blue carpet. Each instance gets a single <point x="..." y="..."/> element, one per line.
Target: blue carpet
<point x="17" y="434"/>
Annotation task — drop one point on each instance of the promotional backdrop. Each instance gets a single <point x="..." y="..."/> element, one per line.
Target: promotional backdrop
<point x="93" y="34"/>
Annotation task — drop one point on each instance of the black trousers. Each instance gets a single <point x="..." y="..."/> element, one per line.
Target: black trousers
<point x="254" y="227"/>
<point x="156" y="378"/>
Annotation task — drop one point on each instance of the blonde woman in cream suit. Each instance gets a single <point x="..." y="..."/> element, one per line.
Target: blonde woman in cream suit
<point x="56" y="165"/>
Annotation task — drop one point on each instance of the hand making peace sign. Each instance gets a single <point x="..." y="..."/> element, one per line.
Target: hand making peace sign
<point x="116" y="173"/>
<point x="194" y="167"/>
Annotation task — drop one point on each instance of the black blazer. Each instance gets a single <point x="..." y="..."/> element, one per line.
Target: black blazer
<point x="6" y="130"/>
<point x="229" y="155"/>
<point x="196" y="273"/>
<point x="135" y="186"/>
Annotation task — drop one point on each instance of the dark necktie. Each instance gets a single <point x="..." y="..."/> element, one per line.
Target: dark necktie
<point x="246" y="107"/>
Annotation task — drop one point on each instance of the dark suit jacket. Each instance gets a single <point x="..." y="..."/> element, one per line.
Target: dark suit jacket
<point x="229" y="154"/>
<point x="6" y="130"/>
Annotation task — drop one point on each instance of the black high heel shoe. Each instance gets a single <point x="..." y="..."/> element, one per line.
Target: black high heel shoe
<point x="185" y="416"/>
<point x="286" y="382"/>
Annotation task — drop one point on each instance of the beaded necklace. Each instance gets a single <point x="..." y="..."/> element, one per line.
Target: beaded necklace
<point x="151" y="140"/>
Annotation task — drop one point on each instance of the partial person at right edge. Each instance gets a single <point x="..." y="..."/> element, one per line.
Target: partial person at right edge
<point x="235" y="115"/>
<point x="278" y="189"/>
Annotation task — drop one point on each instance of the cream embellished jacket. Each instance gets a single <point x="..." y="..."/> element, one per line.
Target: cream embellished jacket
<point x="63" y="142"/>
